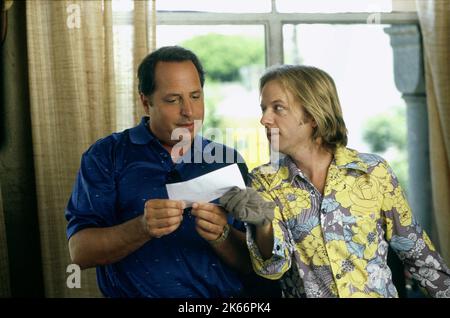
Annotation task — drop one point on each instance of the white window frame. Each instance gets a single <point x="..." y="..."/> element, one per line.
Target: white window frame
<point x="273" y="22"/>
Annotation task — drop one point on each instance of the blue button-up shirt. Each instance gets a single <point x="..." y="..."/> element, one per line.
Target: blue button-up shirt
<point x="118" y="175"/>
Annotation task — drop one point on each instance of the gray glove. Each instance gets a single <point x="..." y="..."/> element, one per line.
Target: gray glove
<point x="248" y="206"/>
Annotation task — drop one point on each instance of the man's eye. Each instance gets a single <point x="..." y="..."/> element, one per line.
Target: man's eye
<point x="195" y="96"/>
<point x="171" y="101"/>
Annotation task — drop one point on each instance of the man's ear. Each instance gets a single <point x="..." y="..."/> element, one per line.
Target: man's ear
<point x="145" y="100"/>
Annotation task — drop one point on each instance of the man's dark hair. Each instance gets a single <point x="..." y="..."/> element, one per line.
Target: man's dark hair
<point x="146" y="70"/>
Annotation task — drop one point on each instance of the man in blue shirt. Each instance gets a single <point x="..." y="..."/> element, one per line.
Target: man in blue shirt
<point x="119" y="216"/>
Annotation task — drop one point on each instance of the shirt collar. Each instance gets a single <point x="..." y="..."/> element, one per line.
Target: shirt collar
<point x="344" y="158"/>
<point x="141" y="134"/>
<point x="292" y="169"/>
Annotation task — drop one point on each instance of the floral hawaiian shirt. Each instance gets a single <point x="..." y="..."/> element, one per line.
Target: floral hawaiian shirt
<point x="335" y="244"/>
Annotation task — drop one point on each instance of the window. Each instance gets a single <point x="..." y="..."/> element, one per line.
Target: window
<point x="290" y="31"/>
<point x="332" y="6"/>
<point x="230" y="6"/>
<point x="360" y="60"/>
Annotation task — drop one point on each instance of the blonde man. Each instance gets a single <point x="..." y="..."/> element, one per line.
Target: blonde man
<point x="336" y="210"/>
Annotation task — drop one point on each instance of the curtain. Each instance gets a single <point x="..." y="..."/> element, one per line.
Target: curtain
<point x="74" y="101"/>
<point x="144" y="39"/>
<point x="4" y="264"/>
<point x="434" y="17"/>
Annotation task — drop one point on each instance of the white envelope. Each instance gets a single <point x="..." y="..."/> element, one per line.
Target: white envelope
<point x="207" y="187"/>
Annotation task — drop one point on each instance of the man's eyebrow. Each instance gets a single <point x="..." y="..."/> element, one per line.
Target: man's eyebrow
<point x="276" y="101"/>
<point x="273" y="102"/>
<point x="180" y="94"/>
<point x="172" y="94"/>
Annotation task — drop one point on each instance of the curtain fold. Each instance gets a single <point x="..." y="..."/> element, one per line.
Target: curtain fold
<point x="144" y="43"/>
<point x="71" y="106"/>
<point x="5" y="290"/>
<point x="434" y="17"/>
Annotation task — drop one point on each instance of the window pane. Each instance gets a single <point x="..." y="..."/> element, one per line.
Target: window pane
<point x="237" y="6"/>
<point x="122" y="5"/>
<point x="233" y="57"/>
<point x="331" y="6"/>
<point x="360" y="60"/>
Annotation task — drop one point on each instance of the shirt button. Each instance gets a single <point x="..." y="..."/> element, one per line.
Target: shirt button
<point x="338" y="276"/>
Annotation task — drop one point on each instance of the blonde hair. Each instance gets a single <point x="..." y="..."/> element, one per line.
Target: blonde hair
<point x="317" y="93"/>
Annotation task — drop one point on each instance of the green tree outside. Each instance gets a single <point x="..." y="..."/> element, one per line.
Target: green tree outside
<point x="223" y="56"/>
<point x="387" y="132"/>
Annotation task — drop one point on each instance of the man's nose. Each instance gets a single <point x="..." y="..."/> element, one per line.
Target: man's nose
<point x="186" y="108"/>
<point x="266" y="119"/>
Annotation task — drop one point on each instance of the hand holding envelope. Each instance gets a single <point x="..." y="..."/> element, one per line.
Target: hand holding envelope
<point x="227" y="184"/>
<point x="207" y="187"/>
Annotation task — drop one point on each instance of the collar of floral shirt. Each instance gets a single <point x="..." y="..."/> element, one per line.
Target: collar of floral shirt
<point x="344" y="158"/>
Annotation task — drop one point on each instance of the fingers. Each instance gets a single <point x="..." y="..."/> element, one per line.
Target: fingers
<point x="166" y="222"/>
<point x="165" y="213"/>
<point x="210" y="220"/>
<point x="164" y="208"/>
<point x="209" y="230"/>
<point x="165" y="203"/>
<point x="162" y="217"/>
<point x="208" y="235"/>
<point x="160" y="232"/>
<point x="209" y="212"/>
<point x="204" y="206"/>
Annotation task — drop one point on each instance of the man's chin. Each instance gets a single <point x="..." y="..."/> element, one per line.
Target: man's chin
<point x="180" y="134"/>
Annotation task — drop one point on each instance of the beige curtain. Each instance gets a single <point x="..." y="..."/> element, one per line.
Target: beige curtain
<point x="434" y="16"/>
<point x="144" y="41"/>
<point x="74" y="99"/>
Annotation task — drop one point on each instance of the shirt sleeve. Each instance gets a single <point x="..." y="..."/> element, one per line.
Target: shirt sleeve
<point x="92" y="202"/>
<point x="280" y="261"/>
<point x="411" y="242"/>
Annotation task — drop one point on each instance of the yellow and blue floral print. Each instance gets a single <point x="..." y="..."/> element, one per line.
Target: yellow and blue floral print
<point x="335" y="244"/>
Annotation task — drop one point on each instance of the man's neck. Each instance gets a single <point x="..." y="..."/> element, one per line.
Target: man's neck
<point x="314" y="161"/>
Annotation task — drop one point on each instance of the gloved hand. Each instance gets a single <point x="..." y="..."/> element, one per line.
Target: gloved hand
<point x="248" y="206"/>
